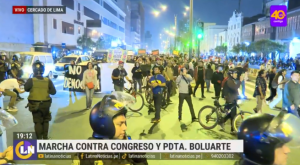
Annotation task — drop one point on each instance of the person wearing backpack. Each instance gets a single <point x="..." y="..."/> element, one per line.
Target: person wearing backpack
<point x="183" y="82"/>
<point x="271" y="75"/>
<point x="277" y="83"/>
<point x="230" y="92"/>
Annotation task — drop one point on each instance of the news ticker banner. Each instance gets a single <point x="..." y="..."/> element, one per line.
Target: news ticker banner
<point x="39" y="9"/>
<point x="30" y="149"/>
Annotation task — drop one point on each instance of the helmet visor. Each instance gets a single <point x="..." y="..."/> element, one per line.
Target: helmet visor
<point x="126" y="99"/>
<point x="7" y="120"/>
<point x="284" y="127"/>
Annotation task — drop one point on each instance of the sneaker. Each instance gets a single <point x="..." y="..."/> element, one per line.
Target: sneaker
<point x="155" y="120"/>
<point x="203" y="97"/>
<point x="12" y="109"/>
<point x="255" y="110"/>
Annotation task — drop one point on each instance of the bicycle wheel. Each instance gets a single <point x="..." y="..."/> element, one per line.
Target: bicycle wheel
<point x="149" y="95"/>
<point x="139" y="98"/>
<point x="208" y="117"/>
<point x="239" y="118"/>
<point x="164" y="99"/>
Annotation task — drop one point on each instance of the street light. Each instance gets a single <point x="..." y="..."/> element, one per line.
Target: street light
<point x="163" y="7"/>
<point x="187" y="8"/>
<point x="184" y="13"/>
<point x="156" y="13"/>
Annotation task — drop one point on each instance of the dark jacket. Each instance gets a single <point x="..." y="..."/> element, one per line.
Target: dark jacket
<point x="208" y="74"/>
<point x="217" y="78"/>
<point x="232" y="90"/>
<point x="240" y="71"/>
<point x="136" y="73"/>
<point x="196" y="73"/>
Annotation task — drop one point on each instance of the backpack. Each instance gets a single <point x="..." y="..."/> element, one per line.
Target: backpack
<point x="224" y="91"/>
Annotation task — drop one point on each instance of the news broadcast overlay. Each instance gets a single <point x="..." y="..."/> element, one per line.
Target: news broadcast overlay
<point x="74" y="76"/>
<point x="166" y="149"/>
<point x="39" y="9"/>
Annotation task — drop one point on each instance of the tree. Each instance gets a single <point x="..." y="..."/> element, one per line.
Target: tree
<point x="264" y="46"/>
<point x="85" y="41"/>
<point x="221" y="49"/>
<point x="250" y="48"/>
<point x="100" y="43"/>
<point x="236" y="49"/>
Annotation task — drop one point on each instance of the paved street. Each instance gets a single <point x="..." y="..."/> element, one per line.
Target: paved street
<point x="70" y="121"/>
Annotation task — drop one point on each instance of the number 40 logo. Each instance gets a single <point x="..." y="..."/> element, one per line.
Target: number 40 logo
<point x="278" y="14"/>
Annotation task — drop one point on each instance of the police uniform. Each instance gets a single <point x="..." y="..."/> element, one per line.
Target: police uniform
<point x="16" y="67"/>
<point x="3" y="70"/>
<point x="39" y="100"/>
<point x="101" y="121"/>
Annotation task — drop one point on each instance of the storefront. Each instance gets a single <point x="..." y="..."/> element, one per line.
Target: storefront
<point x="290" y="35"/>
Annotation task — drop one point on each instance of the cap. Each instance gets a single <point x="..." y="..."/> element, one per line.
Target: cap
<point x="121" y="62"/>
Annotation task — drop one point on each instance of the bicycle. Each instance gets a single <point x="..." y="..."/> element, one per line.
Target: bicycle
<point x="149" y="96"/>
<point x="219" y="110"/>
<point x="133" y="93"/>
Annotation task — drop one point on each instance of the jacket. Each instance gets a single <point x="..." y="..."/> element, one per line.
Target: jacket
<point x="232" y="93"/>
<point x="217" y="78"/>
<point x="196" y="73"/>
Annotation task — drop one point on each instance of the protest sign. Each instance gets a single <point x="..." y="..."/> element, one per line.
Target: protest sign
<point x="155" y="52"/>
<point x="74" y="76"/>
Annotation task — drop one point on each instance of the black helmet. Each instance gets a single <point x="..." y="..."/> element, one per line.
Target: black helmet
<point x="38" y="67"/>
<point x="231" y="71"/>
<point x="15" y="58"/>
<point x="102" y="115"/>
<point x="263" y="133"/>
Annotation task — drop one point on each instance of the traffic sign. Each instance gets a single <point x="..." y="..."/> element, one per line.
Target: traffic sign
<point x="63" y="45"/>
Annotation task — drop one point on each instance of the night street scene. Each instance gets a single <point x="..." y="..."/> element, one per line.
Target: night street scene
<point x="190" y="71"/>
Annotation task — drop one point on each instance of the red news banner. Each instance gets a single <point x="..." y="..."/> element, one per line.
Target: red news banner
<point x="39" y="9"/>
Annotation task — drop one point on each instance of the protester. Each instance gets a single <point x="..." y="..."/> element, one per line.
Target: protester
<point x="260" y="90"/>
<point x="217" y="79"/>
<point x="8" y="85"/>
<point x="241" y="72"/>
<point x="278" y="83"/>
<point x="271" y="75"/>
<point x="118" y="76"/>
<point x="72" y="65"/>
<point x="169" y="75"/>
<point x="199" y="76"/>
<point x="89" y="83"/>
<point x="183" y="82"/>
<point x="291" y="94"/>
<point x="208" y="75"/>
<point x="137" y="76"/>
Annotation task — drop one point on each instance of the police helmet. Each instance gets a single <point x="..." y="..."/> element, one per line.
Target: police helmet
<point x="232" y="71"/>
<point x="263" y="133"/>
<point x="102" y="115"/>
<point x="38" y="67"/>
<point x="3" y="53"/>
<point x="15" y="58"/>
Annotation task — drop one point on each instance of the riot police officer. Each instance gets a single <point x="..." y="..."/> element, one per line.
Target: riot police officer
<point x="268" y="139"/>
<point x="3" y="69"/>
<point x="16" y="72"/>
<point x="108" y="121"/>
<point x="39" y="101"/>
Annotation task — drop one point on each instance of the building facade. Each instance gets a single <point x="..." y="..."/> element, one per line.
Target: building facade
<point x="210" y="40"/>
<point x="248" y="33"/>
<point x="69" y="27"/>
<point x="137" y="24"/>
<point x="17" y="32"/>
<point x="234" y="30"/>
<point x="290" y="35"/>
<point x="221" y="38"/>
<point x="263" y="30"/>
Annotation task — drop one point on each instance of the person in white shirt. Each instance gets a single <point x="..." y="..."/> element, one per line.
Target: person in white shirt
<point x="6" y="87"/>
<point x="280" y="80"/>
<point x="191" y="67"/>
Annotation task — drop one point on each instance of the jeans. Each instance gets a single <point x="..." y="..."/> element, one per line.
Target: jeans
<point x="157" y="98"/>
<point x="232" y="108"/>
<point x="294" y="112"/>
<point x="202" y="87"/>
<point x="169" y="87"/>
<point x="243" y="84"/>
<point x="13" y="97"/>
<point x="278" y="99"/>
<point x="89" y="97"/>
<point x="188" y="99"/>
<point x="118" y="88"/>
<point x="207" y="84"/>
<point x="137" y="82"/>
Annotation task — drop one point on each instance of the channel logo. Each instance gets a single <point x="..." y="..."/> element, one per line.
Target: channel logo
<point x="25" y="150"/>
<point x="278" y="15"/>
